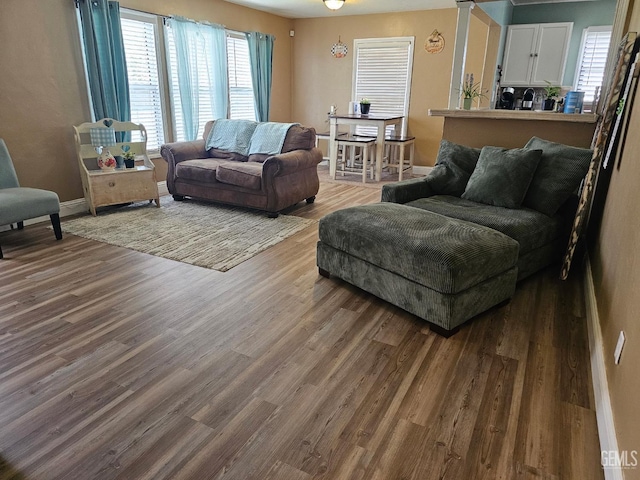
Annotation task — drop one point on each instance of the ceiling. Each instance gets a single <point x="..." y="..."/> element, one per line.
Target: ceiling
<point x="316" y="8"/>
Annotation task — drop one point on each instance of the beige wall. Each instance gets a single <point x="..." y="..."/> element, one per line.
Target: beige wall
<point x="321" y="80"/>
<point x="616" y="271"/>
<point x="42" y="87"/>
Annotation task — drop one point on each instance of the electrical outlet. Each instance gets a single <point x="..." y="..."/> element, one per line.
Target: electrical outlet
<point x="618" y="352"/>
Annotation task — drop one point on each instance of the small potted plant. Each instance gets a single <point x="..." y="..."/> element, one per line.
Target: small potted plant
<point x="129" y="159"/>
<point x="470" y="91"/>
<point x="550" y="95"/>
<point x="365" y="105"/>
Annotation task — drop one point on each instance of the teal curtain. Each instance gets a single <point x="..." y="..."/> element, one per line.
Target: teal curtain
<point x="105" y="59"/>
<point x="261" y="57"/>
<point x="201" y="54"/>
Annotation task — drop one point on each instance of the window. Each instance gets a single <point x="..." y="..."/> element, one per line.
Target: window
<point x="241" y="103"/>
<point x="205" y="102"/>
<point x="591" y="63"/>
<point x="382" y="74"/>
<point x="139" y="32"/>
<point x="151" y="60"/>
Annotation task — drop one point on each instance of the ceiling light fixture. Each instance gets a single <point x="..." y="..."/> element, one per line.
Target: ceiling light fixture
<point x="333" y="4"/>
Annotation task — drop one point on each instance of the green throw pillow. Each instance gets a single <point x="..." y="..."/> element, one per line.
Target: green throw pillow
<point x="559" y="173"/>
<point x="502" y="177"/>
<point x="454" y="166"/>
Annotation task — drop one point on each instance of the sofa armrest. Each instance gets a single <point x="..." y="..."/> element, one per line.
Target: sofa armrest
<point x="178" y="152"/>
<point x="407" y="190"/>
<point x="290" y="162"/>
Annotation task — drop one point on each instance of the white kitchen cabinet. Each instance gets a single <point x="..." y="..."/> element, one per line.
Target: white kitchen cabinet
<point x="536" y="53"/>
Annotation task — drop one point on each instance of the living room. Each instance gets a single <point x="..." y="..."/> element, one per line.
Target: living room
<point x="44" y="94"/>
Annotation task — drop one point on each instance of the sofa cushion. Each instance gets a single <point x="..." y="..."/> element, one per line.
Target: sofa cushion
<point x="224" y="155"/>
<point x="299" y="138"/>
<point x="531" y="229"/>
<point x="269" y="137"/>
<point x="444" y="254"/>
<point x="202" y="170"/>
<point x="259" y="157"/>
<point x="245" y="175"/>
<point x="559" y="173"/>
<point x="454" y="166"/>
<point x="502" y="176"/>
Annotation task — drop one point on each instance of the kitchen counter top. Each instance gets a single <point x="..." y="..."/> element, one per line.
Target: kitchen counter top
<point x="491" y="114"/>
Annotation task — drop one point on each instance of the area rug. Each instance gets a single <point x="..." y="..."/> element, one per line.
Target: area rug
<point x="204" y="234"/>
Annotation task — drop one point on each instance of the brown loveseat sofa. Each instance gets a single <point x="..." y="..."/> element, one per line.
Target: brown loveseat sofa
<point x="269" y="183"/>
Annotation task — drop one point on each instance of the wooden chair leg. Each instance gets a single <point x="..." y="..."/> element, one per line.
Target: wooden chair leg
<point x="55" y="222"/>
<point x="365" y="161"/>
<point x="412" y="151"/>
<point x="20" y="225"/>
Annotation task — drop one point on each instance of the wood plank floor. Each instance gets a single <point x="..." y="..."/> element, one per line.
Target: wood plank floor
<point x="119" y="365"/>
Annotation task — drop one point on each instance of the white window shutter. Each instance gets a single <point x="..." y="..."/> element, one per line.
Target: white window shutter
<point x="144" y="86"/>
<point x="241" y="102"/>
<point x="382" y="74"/>
<point x="591" y="62"/>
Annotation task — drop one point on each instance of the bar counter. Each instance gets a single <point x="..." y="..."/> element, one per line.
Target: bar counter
<point x="513" y="128"/>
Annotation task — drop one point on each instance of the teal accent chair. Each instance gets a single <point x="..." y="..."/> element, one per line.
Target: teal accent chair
<point x="18" y="204"/>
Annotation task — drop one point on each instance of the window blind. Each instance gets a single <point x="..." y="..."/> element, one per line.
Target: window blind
<point x="241" y="102"/>
<point x="591" y="62"/>
<point x="144" y="86"/>
<point x="382" y="74"/>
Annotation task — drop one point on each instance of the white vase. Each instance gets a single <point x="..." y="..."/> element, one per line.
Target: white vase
<point x="106" y="161"/>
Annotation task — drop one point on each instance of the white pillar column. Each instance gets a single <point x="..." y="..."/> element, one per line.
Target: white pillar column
<point x="460" y="52"/>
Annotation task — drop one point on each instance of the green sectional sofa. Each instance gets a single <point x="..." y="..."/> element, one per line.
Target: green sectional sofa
<point x="453" y="244"/>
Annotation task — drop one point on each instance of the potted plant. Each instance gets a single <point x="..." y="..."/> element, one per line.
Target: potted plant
<point x="470" y="91"/>
<point x="129" y="159"/>
<point x="365" y="105"/>
<point x="550" y="95"/>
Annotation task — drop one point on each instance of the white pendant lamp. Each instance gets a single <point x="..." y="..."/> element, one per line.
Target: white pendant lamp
<point x="334" y="4"/>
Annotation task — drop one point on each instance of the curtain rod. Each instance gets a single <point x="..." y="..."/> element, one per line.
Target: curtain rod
<point x="77" y="4"/>
<point x="165" y="17"/>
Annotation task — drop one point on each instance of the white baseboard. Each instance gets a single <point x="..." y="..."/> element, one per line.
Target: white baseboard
<point x="73" y="207"/>
<point x="70" y="207"/>
<point x="604" y="413"/>
<point x="162" y="188"/>
<point x="418" y="170"/>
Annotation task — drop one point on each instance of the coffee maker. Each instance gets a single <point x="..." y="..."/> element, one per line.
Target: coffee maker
<point x="507" y="98"/>
<point x="527" y="99"/>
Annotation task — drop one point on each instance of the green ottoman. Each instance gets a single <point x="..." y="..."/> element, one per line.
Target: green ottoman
<point x="443" y="270"/>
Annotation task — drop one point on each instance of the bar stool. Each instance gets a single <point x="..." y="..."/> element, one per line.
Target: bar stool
<point x="396" y="153"/>
<point x="356" y="156"/>
<point x="327" y="136"/>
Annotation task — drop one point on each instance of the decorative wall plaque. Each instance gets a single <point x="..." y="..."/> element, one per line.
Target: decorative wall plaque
<point x="434" y="43"/>
<point x="339" y="50"/>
